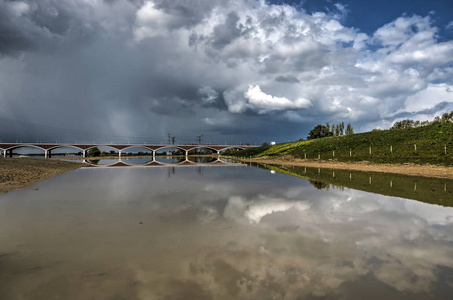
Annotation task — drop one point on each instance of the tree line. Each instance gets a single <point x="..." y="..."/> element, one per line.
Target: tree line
<point x="320" y="131"/>
<point x="406" y="124"/>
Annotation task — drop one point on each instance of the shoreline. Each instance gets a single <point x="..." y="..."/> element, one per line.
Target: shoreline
<point x="19" y="173"/>
<point x="432" y="171"/>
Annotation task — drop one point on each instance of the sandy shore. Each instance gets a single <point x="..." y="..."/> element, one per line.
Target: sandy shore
<point x="17" y="173"/>
<point x="405" y="169"/>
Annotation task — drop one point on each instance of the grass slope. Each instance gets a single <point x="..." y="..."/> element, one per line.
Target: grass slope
<point x="430" y="144"/>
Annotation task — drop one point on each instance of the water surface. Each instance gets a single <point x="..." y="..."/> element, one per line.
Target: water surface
<point x="218" y="233"/>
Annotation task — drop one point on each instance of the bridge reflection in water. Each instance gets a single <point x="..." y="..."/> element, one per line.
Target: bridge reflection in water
<point x="152" y="162"/>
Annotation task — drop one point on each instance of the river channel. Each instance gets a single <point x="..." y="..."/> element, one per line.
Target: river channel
<point x="227" y="231"/>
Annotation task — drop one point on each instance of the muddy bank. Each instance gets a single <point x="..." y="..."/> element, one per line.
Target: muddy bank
<point x="405" y="169"/>
<point x="17" y="173"/>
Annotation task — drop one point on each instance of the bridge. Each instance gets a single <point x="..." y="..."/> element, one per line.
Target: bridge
<point x="8" y="148"/>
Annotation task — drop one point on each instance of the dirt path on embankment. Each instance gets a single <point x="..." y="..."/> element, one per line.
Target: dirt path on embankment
<point x="405" y="169"/>
<point x="17" y="173"/>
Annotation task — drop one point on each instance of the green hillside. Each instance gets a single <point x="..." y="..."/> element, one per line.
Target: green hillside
<point x="428" y="144"/>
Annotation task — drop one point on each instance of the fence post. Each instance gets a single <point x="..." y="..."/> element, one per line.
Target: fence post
<point x="319" y="156"/>
<point x="370" y="150"/>
<point x="305" y="155"/>
<point x="333" y="153"/>
<point x="350" y="152"/>
<point x="391" y="149"/>
<point x="415" y="148"/>
<point x="445" y="149"/>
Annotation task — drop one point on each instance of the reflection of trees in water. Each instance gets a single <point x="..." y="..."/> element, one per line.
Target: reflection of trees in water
<point x="93" y="161"/>
<point x="319" y="185"/>
<point x="424" y="189"/>
<point x="202" y="159"/>
<point x="172" y="171"/>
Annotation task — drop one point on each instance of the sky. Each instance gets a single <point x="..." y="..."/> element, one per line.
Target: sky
<point x="117" y="71"/>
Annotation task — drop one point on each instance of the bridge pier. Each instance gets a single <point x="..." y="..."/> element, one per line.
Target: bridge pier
<point x="47" y="154"/>
<point x="187" y="153"/>
<point x="119" y="154"/>
<point x="84" y="153"/>
<point x="4" y="153"/>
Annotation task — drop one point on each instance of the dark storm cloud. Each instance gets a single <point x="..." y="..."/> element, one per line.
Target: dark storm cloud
<point x="234" y="70"/>
<point x="225" y="33"/>
<point x="17" y="32"/>
<point x="188" y="13"/>
<point x="288" y="78"/>
<point x="429" y="111"/>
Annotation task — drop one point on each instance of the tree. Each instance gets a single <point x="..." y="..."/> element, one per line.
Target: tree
<point x="319" y="185"/>
<point x="337" y="130"/>
<point x="319" y="131"/>
<point x="447" y="117"/>
<point x="341" y="128"/>
<point x="349" y="129"/>
<point x="94" y="152"/>
<point x="404" y="124"/>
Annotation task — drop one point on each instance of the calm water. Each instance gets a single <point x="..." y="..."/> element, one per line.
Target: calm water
<point x="218" y="233"/>
<point x="173" y="160"/>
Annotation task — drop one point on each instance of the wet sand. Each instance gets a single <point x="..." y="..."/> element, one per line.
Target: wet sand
<point x="434" y="171"/>
<point x="17" y="173"/>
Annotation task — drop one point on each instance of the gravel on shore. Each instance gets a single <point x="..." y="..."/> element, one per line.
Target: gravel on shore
<point x="433" y="171"/>
<point x="17" y="173"/>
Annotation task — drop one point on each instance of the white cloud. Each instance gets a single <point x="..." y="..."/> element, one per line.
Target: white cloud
<point x="299" y="65"/>
<point x="208" y="95"/>
<point x="263" y="103"/>
<point x="209" y="121"/>
<point x="427" y="98"/>
<point x="449" y="26"/>
<point x="18" y="8"/>
<point x="151" y="22"/>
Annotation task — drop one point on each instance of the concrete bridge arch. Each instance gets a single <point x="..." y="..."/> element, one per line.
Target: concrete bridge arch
<point x="47" y="148"/>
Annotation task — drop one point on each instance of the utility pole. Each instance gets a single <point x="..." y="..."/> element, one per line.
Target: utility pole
<point x="173" y="140"/>
<point x="199" y="139"/>
<point x="169" y="138"/>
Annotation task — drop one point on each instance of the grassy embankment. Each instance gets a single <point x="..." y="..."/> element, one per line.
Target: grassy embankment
<point x="387" y="146"/>
<point x="17" y="173"/>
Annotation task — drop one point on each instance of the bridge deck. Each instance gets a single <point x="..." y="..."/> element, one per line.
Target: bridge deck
<point x="119" y="147"/>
